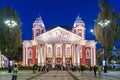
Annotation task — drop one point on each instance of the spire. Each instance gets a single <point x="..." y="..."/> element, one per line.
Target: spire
<point x="38" y="20"/>
<point x="78" y="19"/>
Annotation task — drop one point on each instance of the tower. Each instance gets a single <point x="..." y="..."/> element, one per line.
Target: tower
<point x="38" y="28"/>
<point x="79" y="27"/>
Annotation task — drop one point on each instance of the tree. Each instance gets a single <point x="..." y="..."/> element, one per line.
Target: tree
<point x="10" y="37"/>
<point x="107" y="29"/>
<point x="99" y="57"/>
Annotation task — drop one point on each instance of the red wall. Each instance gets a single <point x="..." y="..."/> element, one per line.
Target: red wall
<point x="33" y="54"/>
<point x="83" y="59"/>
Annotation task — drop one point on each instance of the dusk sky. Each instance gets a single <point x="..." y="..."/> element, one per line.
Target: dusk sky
<point x="56" y="12"/>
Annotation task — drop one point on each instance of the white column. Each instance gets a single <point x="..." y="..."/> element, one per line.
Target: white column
<point x="45" y="54"/>
<point x="26" y="56"/>
<point x="78" y="55"/>
<point x="63" y="53"/>
<point x="39" y="54"/>
<point x="42" y="55"/>
<point x="94" y="56"/>
<point x="74" y="55"/>
<point x="53" y="55"/>
<point x="91" y="58"/>
<point x="23" y="56"/>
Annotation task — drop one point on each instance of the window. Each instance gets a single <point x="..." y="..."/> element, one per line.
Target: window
<point x="37" y="34"/>
<point x="68" y="54"/>
<point x="42" y="31"/>
<point x="58" y="51"/>
<point x="49" y="51"/>
<point x="36" y="54"/>
<point x="88" y="53"/>
<point x="30" y="52"/>
<point x="80" y="34"/>
<point x="80" y="50"/>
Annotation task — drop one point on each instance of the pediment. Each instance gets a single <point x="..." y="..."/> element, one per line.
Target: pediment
<point x="58" y="34"/>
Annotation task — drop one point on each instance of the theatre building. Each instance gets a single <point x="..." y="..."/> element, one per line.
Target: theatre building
<point x="59" y="46"/>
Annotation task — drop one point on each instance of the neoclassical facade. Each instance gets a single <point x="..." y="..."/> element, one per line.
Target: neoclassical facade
<point x="59" y="46"/>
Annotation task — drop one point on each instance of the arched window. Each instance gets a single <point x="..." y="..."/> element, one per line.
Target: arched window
<point x="37" y="32"/>
<point x="58" y="51"/>
<point x="88" y="53"/>
<point x="30" y="52"/>
<point x="68" y="50"/>
<point x="80" y="51"/>
<point x="49" y="51"/>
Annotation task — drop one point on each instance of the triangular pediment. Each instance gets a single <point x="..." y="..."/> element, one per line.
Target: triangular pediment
<point x="58" y="34"/>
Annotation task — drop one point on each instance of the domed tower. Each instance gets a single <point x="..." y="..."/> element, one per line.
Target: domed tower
<point x="38" y="28"/>
<point x="79" y="27"/>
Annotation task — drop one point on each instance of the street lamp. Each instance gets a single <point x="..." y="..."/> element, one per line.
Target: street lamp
<point x="104" y="23"/>
<point x="11" y="24"/>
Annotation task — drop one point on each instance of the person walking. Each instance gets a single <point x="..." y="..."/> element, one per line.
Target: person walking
<point x="99" y="70"/>
<point x="82" y="69"/>
<point x="15" y="72"/>
<point x="95" y="69"/>
<point x="90" y="68"/>
<point x="33" y="68"/>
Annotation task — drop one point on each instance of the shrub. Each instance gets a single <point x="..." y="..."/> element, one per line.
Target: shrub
<point x="25" y="68"/>
<point x="85" y="67"/>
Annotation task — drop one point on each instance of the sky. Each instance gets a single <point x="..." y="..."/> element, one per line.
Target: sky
<point x="56" y="12"/>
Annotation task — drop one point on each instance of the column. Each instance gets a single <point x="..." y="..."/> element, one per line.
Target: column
<point x="42" y="55"/>
<point x="39" y="55"/>
<point x="53" y="55"/>
<point x="74" y="55"/>
<point x="63" y="53"/>
<point x="24" y="56"/>
<point x="45" y="54"/>
<point x="78" y="55"/>
<point x="94" y="54"/>
<point x="33" y="54"/>
<point x="91" y="57"/>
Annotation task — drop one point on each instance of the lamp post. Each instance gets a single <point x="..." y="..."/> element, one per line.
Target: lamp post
<point x="11" y="24"/>
<point x="103" y="24"/>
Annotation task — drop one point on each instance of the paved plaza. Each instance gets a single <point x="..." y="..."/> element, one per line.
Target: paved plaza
<point x="61" y="75"/>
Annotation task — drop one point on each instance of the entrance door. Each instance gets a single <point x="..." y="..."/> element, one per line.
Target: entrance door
<point x="68" y="62"/>
<point x="88" y="62"/>
<point x="58" y="61"/>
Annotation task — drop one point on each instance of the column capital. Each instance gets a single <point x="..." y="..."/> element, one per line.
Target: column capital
<point x="83" y="42"/>
<point x="34" y="42"/>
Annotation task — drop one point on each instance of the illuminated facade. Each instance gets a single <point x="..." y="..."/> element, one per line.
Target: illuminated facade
<point x="3" y="61"/>
<point x="59" y="46"/>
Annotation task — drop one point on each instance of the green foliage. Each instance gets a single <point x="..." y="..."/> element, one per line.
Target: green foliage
<point x="109" y="34"/>
<point x="10" y="39"/>
<point x="25" y="68"/>
<point x="35" y="66"/>
<point x="85" y="67"/>
<point x="99" y="57"/>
